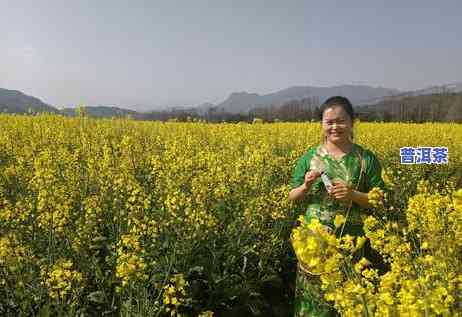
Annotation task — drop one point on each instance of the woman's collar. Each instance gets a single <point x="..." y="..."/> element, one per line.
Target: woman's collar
<point x="322" y="151"/>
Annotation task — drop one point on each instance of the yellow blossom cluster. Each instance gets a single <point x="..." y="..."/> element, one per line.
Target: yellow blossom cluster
<point x="12" y="253"/>
<point x="375" y="197"/>
<point x="345" y="282"/>
<point x="388" y="178"/>
<point x="130" y="266"/>
<point x="62" y="281"/>
<point x="174" y="294"/>
<point x="318" y="250"/>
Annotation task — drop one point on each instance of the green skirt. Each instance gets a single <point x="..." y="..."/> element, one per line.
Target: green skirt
<point x="309" y="299"/>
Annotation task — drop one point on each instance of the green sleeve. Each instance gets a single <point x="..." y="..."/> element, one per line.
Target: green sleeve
<point x="373" y="173"/>
<point x="298" y="175"/>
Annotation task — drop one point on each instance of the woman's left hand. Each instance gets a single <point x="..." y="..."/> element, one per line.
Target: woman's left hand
<point x="341" y="192"/>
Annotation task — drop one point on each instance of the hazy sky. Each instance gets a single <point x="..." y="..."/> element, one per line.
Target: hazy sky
<point x="162" y="53"/>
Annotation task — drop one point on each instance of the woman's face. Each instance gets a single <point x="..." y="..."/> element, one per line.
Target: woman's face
<point x="336" y="125"/>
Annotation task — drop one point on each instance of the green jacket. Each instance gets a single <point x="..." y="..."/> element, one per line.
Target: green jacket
<point x="347" y="169"/>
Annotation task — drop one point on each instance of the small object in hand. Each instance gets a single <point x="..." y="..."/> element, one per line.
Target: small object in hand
<point x="328" y="229"/>
<point x="326" y="181"/>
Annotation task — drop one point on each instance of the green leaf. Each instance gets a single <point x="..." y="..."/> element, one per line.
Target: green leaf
<point x="97" y="297"/>
<point x="44" y="311"/>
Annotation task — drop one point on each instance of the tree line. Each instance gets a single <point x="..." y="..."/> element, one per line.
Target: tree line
<point x="438" y="107"/>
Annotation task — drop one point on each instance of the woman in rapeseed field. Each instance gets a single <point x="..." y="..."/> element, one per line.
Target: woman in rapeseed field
<point x="335" y="178"/>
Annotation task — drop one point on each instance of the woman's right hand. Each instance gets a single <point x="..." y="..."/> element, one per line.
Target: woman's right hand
<point x="310" y="177"/>
<point x="301" y="190"/>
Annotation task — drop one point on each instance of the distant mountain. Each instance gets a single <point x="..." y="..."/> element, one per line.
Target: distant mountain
<point x="202" y="108"/>
<point x="453" y="88"/>
<point x="13" y="101"/>
<point x="242" y="102"/>
<point x="456" y="87"/>
<point x="102" y="112"/>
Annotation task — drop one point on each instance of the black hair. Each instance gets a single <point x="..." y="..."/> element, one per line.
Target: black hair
<point x="337" y="101"/>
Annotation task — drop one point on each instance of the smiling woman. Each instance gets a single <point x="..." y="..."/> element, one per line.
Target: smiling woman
<point x="352" y="171"/>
